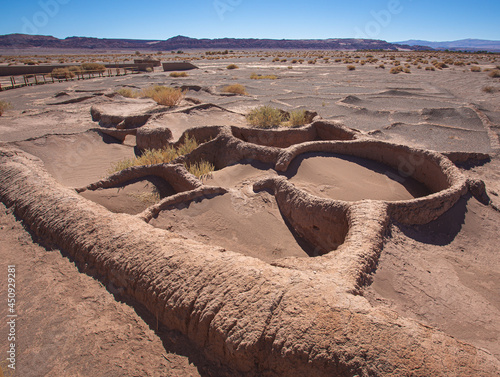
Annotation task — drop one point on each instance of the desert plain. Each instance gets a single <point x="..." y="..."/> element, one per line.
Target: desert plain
<point x="362" y="243"/>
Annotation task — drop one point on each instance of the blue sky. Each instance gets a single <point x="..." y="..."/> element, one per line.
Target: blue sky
<point x="391" y="20"/>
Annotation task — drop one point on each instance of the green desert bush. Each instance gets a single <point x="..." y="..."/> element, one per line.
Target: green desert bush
<point x="265" y="117"/>
<point x="163" y="95"/>
<point x="178" y="74"/>
<point x="4" y="106"/>
<point x="235" y="89"/>
<point x="232" y="66"/>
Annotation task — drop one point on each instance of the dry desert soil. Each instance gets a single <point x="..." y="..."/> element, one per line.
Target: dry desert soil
<point x="442" y="274"/>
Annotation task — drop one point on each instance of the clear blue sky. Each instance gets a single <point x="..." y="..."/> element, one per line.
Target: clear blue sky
<point x="391" y="20"/>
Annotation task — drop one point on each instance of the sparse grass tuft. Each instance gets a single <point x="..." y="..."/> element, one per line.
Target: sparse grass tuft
<point x="178" y="74"/>
<point x="164" y="95"/>
<point x="297" y="118"/>
<point x="202" y="169"/>
<point x="232" y="66"/>
<point x="265" y="117"/>
<point x="189" y="145"/>
<point x="255" y="76"/>
<point x="4" y="106"/>
<point x="236" y="89"/>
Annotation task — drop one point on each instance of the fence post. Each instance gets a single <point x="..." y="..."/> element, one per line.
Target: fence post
<point x="36" y="80"/>
<point x="13" y="81"/>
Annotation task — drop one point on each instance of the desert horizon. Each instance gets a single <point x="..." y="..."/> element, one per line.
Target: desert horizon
<point x="281" y="205"/>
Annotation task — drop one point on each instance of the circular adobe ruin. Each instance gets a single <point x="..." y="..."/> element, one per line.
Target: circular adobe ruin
<point x="294" y="316"/>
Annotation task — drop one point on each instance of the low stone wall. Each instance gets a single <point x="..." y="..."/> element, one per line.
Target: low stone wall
<point x="178" y="66"/>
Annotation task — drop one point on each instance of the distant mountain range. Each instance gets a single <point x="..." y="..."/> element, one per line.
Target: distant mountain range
<point x="24" y="41"/>
<point x="464" y="45"/>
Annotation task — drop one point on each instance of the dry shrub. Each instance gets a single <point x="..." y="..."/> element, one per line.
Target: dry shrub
<point x="62" y="73"/>
<point x="4" y="106"/>
<point x="351" y="67"/>
<point x="475" y="68"/>
<point x="430" y="68"/>
<point x="265" y="117"/>
<point x="440" y="65"/>
<point x="235" y="89"/>
<point x="164" y="95"/>
<point x="93" y="67"/>
<point x="127" y="92"/>
<point x="156" y="156"/>
<point x="232" y="66"/>
<point x="396" y="70"/>
<point x="178" y="74"/>
<point x="495" y="73"/>
<point x="489" y="89"/>
<point x="255" y="76"/>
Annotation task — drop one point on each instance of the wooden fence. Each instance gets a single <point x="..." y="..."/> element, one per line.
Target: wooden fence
<point x="14" y="82"/>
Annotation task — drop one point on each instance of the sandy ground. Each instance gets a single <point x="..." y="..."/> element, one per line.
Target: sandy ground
<point x="444" y="274"/>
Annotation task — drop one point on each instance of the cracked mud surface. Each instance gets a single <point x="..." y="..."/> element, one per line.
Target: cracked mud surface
<point x="441" y="274"/>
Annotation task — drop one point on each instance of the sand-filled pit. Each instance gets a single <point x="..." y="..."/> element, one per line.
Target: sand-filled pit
<point x="239" y="220"/>
<point x="78" y="159"/>
<point x="244" y="221"/>
<point x="351" y="178"/>
<point x="132" y="197"/>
